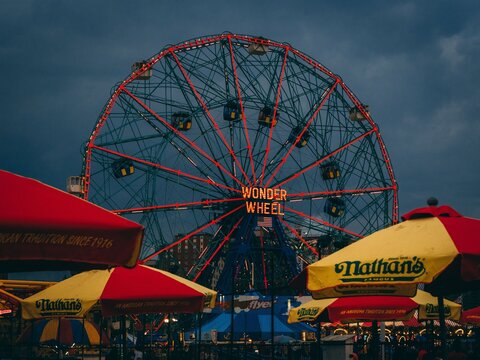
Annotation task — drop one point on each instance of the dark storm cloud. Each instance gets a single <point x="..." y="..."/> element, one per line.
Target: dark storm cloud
<point x="415" y="64"/>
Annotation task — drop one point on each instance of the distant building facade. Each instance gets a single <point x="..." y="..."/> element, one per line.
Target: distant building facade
<point x="187" y="252"/>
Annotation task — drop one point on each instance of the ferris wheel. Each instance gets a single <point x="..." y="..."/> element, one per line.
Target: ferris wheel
<point x="248" y="142"/>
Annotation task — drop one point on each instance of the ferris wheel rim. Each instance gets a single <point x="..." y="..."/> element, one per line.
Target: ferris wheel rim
<point x="173" y="50"/>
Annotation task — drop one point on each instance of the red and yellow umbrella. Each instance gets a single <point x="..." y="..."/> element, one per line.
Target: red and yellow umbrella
<point x="118" y="291"/>
<point x="434" y="245"/>
<point x="62" y="331"/>
<point x="369" y="308"/>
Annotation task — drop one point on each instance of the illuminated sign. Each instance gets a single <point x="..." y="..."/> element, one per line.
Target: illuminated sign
<point x="265" y="201"/>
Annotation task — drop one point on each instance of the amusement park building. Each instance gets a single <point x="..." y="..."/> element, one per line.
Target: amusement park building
<point x="187" y="252"/>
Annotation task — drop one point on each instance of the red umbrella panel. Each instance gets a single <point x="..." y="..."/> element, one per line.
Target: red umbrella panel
<point x="62" y="331"/>
<point x="119" y="291"/>
<point x="43" y="228"/>
<point x="151" y="290"/>
<point x="471" y="316"/>
<point x="354" y="309"/>
<point x="369" y="308"/>
<point x="463" y="272"/>
<point x="381" y="308"/>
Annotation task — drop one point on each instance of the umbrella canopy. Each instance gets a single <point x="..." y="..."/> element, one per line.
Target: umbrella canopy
<point x="120" y="290"/>
<point x="62" y="331"/>
<point x="434" y="245"/>
<point x="368" y="308"/>
<point x="43" y="228"/>
<point x="471" y="316"/>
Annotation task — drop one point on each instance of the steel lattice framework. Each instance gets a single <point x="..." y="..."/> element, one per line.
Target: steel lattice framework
<point x="198" y="122"/>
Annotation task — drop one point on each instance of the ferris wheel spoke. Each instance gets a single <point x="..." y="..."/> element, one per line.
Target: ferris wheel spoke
<point x="189" y="181"/>
<point x="162" y="135"/>
<point x="225" y="239"/>
<point x="317" y="195"/>
<point x="322" y="100"/>
<point x="298" y="236"/>
<point x="192" y="205"/>
<point x="242" y="110"/>
<point x="110" y="201"/>
<point x="166" y="169"/>
<point x="323" y="222"/>
<point x="184" y="88"/>
<point x="298" y="88"/>
<point x="256" y="78"/>
<point x="319" y="161"/>
<point x="210" y="117"/>
<point x="275" y="109"/>
<point x="196" y="231"/>
<point x="381" y="147"/>
<point x="360" y="164"/>
<point x="361" y="213"/>
<point x="179" y="134"/>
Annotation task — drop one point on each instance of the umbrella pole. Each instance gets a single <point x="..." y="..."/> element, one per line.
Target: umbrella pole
<point x="144" y="324"/>
<point x="381" y="341"/>
<point x="168" y="335"/>
<point x="443" y="328"/>
<point x="60" y="351"/>
<point x="375" y="339"/>
<point x="232" y="308"/>
<point x="83" y="337"/>
<point x="272" y="322"/>
<point x="31" y="340"/>
<point x="100" y="343"/>
<point x="12" y="324"/>
<point x="18" y="324"/>
<point x="319" y="341"/>
<point x="124" y="336"/>
<point x="200" y="334"/>
<point x="272" y="300"/>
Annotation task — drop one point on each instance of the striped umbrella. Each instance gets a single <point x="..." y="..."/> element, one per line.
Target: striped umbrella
<point x="434" y="245"/>
<point x="62" y="331"/>
<point x="119" y="291"/>
<point x="368" y="308"/>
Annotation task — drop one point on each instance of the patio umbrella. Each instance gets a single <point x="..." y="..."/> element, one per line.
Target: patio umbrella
<point x="43" y="228"/>
<point x="62" y="331"/>
<point x="434" y="245"/>
<point x="368" y="308"/>
<point x="119" y="291"/>
<point x="471" y="316"/>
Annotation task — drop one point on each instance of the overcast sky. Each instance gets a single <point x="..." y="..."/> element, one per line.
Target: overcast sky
<point x="416" y="63"/>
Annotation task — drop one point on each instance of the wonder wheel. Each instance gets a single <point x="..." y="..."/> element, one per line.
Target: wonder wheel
<point x="244" y="158"/>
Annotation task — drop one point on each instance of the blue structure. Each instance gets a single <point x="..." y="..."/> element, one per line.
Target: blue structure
<point x="252" y="319"/>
